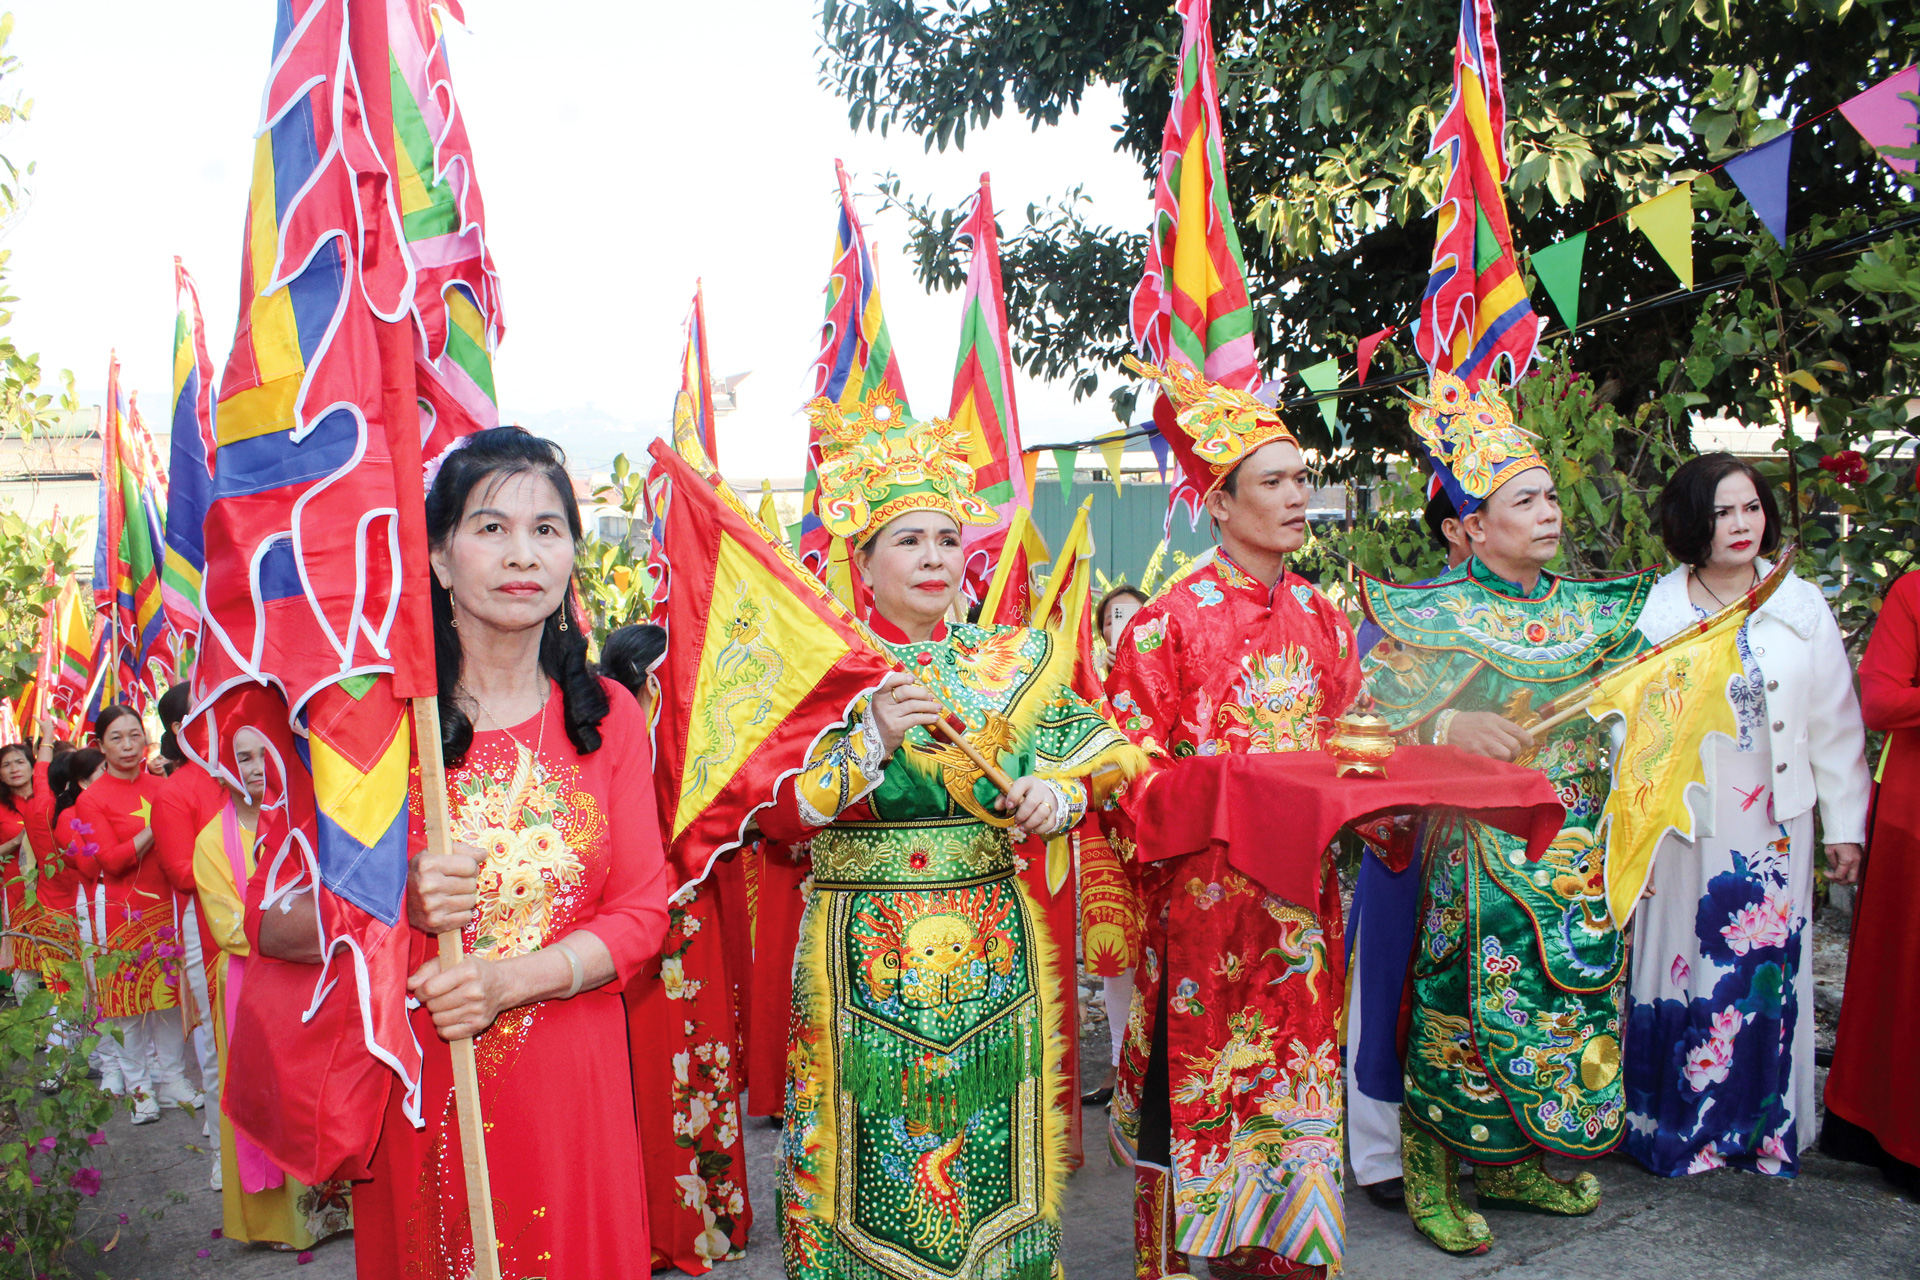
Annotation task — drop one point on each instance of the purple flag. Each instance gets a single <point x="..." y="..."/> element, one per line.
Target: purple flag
<point x="1162" y="452"/>
<point x="1761" y="175"/>
<point x="1884" y="118"/>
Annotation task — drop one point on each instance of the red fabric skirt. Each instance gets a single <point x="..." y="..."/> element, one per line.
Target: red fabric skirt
<point x="684" y="1021"/>
<point x="1871" y="1082"/>
<point x="556" y="1093"/>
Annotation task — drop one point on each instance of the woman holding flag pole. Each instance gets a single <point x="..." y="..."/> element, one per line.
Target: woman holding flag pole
<point x="556" y="883"/>
<point x="922" y="1136"/>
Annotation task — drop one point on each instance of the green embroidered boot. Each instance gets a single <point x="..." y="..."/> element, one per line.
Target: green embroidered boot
<point x="1433" y="1193"/>
<point x="1529" y="1188"/>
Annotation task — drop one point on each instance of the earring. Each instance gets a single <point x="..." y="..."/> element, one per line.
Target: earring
<point x="563" y="619"/>
<point x="453" y="619"/>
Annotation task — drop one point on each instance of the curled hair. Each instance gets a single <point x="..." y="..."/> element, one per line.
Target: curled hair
<point x="492" y="457"/>
<point x="68" y="775"/>
<point x="1685" y="507"/>
<point x="626" y="655"/>
<point x="6" y="792"/>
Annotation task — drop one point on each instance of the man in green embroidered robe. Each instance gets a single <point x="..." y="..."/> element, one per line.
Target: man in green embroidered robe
<point x="1514" y="1044"/>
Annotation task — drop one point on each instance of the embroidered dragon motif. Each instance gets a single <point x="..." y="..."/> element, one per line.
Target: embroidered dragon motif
<point x="746" y="671"/>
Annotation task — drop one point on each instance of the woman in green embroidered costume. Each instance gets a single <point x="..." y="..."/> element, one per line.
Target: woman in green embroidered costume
<point x="921" y="1139"/>
<point x="1513" y="1048"/>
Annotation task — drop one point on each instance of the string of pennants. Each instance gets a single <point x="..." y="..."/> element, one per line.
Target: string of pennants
<point x="1886" y="116"/>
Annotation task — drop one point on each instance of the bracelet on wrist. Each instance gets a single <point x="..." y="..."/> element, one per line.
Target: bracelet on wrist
<point x="573" y="963"/>
<point x="1442" y="725"/>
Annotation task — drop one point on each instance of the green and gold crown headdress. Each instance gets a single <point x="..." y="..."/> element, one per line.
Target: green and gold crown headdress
<point x="1470" y="438"/>
<point x="879" y="464"/>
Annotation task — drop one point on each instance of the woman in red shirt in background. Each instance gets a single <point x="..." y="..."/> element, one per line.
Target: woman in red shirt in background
<point x="26" y="842"/>
<point x="140" y="996"/>
<point x="67" y="896"/>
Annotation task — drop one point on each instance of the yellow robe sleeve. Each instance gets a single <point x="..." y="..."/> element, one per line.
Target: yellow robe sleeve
<point x="222" y="902"/>
<point x="844" y="766"/>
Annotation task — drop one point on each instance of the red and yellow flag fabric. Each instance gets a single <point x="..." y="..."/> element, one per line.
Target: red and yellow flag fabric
<point x="1010" y="600"/>
<point x="69" y="669"/>
<point x="761" y="660"/>
<point x="693" y="416"/>
<point x="1475" y="310"/>
<point x="856" y="357"/>
<point x="1066" y="606"/>
<point x="368" y="310"/>
<point x="983" y="403"/>
<point x="1191" y="304"/>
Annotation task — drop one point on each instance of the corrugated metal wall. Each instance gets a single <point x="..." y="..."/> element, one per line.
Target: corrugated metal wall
<point x="1127" y="526"/>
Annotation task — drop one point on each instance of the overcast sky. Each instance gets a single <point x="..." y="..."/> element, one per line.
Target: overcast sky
<point x="623" y="150"/>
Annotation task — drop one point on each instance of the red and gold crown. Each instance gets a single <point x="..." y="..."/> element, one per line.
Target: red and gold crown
<point x="1215" y="427"/>
<point x="878" y="464"/>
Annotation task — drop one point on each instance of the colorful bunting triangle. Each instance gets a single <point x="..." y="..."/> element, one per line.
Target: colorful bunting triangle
<point x="1162" y="452"/>
<point x="1321" y="378"/>
<point x="1364" y="355"/>
<point x="1557" y="267"/>
<point x="1113" y="448"/>
<point x="1761" y="175"/>
<point x="1667" y="222"/>
<point x="1887" y="120"/>
<point x="1064" y="459"/>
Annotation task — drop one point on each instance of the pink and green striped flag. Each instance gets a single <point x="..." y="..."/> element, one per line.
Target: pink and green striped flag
<point x="983" y="404"/>
<point x="457" y="289"/>
<point x="1191" y="304"/>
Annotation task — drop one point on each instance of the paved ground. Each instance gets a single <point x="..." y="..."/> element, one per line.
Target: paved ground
<point x="1835" y="1222"/>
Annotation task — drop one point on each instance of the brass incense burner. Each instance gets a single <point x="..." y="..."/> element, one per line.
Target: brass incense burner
<point x="1360" y="746"/>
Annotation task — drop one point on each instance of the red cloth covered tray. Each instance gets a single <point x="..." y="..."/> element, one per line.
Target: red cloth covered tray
<point x="1275" y="814"/>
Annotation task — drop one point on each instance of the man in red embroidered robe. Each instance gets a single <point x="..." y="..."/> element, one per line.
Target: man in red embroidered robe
<point x="1228" y="1100"/>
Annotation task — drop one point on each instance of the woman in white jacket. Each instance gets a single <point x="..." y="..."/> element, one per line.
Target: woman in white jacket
<point x="1719" y="1051"/>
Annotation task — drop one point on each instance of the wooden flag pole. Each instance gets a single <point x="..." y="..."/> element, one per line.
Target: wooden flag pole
<point x="466" y="1074"/>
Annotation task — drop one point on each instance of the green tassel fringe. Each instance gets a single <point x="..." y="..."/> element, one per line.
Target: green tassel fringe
<point x="888" y="1075"/>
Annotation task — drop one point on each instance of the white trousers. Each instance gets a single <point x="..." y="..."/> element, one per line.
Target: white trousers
<point x="1373" y="1126"/>
<point x="204" y="1048"/>
<point x="150" y="1054"/>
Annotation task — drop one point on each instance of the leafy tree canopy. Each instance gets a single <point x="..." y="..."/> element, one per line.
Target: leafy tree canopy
<point x="1328" y="107"/>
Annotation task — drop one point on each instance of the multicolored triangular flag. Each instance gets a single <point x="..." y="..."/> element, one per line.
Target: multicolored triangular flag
<point x="1475" y="311"/>
<point x="983" y="402"/>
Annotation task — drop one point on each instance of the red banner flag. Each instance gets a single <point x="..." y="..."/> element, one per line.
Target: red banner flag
<point x="761" y="660"/>
<point x="357" y="285"/>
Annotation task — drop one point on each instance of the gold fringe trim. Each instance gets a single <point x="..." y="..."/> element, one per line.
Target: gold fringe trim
<point x="1107" y="773"/>
<point x="815" y="933"/>
<point x="1053" y="1148"/>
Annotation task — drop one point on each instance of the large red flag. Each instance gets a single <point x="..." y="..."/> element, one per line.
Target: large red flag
<point x="316" y="619"/>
